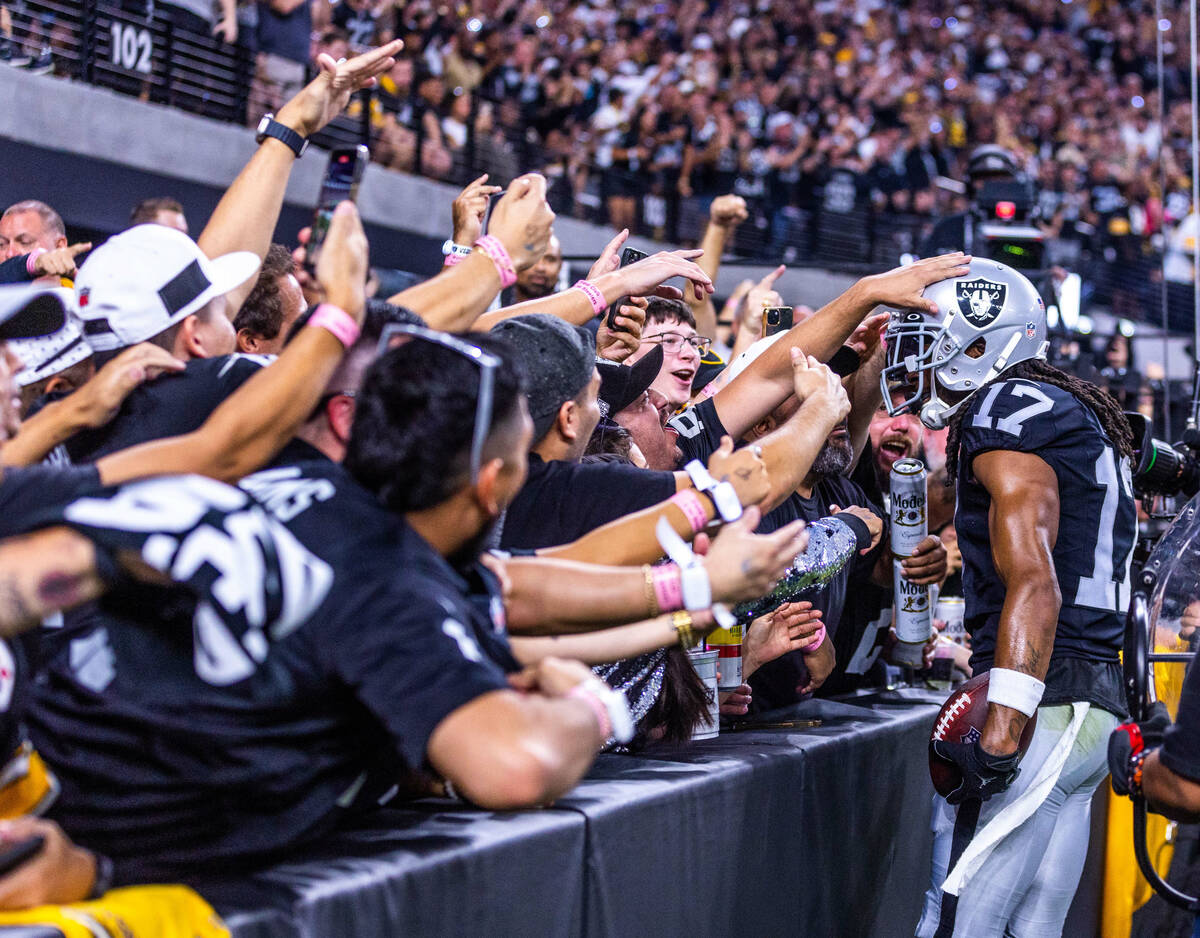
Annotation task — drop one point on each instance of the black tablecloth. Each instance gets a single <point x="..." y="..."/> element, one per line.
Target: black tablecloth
<point x="770" y="831"/>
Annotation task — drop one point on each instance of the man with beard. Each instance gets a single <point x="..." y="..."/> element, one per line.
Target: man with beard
<point x="541" y="279"/>
<point x="826" y="491"/>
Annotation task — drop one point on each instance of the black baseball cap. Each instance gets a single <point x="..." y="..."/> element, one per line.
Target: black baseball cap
<point x="621" y="385"/>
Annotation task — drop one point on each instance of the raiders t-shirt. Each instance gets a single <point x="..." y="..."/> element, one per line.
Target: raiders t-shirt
<point x="262" y="718"/>
<point x="700" y="431"/>
<point x="168" y="406"/>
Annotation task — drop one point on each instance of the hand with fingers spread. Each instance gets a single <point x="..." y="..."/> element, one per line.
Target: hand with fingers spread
<point x="648" y="277"/>
<point x="59" y="873"/>
<point x="342" y="266"/>
<point x="610" y="258"/>
<point x="873" y="522"/>
<point x="618" y="344"/>
<point x="743" y="468"/>
<point x="468" y="210"/>
<point x="60" y="262"/>
<point x="903" y="287"/>
<point x="928" y="562"/>
<point x="791" y="627"/>
<point x="523" y="220"/>
<point x="103" y="395"/>
<point x="326" y="96"/>
<point x="742" y="565"/>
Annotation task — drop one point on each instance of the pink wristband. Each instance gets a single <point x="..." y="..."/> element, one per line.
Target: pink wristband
<point x="814" y="642"/>
<point x="31" y="261"/>
<point x="491" y="246"/>
<point x="668" y="587"/>
<point x="452" y="259"/>
<point x="337" y="321"/>
<point x="592" y="292"/>
<point x="688" y="501"/>
<point x="579" y="692"/>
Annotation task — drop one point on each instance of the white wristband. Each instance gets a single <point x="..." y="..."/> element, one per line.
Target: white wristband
<point x="723" y="494"/>
<point x="697" y="590"/>
<point x="1009" y="688"/>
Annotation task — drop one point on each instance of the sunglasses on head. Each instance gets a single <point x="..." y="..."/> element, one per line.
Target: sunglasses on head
<point x="397" y="334"/>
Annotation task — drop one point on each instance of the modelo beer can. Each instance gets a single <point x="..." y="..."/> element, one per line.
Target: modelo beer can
<point x="952" y="611"/>
<point x="728" y="643"/>
<point x="910" y="526"/>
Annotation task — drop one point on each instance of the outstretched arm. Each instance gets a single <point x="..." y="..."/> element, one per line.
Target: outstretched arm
<point x="247" y="214"/>
<point x="724" y="216"/>
<point x="766" y="383"/>
<point x="1023" y="528"/>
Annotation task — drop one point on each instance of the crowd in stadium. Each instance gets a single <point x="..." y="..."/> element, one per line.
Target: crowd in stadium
<point x="820" y="115"/>
<point x="279" y="547"/>
<point x="376" y="458"/>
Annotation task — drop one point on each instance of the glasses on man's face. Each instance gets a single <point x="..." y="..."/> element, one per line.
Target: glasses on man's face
<point x="488" y="363"/>
<point x="672" y="342"/>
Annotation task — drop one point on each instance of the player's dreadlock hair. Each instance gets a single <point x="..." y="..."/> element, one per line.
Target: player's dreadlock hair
<point x="1099" y="401"/>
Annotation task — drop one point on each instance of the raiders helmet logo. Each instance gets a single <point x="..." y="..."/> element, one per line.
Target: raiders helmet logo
<point x="980" y="301"/>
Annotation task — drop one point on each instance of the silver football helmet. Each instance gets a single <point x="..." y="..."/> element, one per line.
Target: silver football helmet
<point x="992" y="318"/>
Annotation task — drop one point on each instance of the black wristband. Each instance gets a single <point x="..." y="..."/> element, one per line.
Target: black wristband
<point x="269" y="127"/>
<point x="862" y="533"/>
<point x="103" y="881"/>
<point x="845" y="362"/>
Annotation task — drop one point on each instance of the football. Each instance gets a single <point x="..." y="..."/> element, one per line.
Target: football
<point x="961" y="720"/>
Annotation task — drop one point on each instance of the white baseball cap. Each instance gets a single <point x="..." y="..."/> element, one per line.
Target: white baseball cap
<point x="47" y="355"/>
<point x="144" y="280"/>
<point x="31" y="310"/>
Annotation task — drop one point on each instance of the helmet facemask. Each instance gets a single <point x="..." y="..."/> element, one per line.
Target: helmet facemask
<point x="916" y="349"/>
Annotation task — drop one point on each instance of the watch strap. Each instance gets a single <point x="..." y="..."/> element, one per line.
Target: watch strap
<point x="269" y="127"/>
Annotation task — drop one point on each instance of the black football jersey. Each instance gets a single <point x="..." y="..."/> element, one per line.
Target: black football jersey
<point x="1096" y="530"/>
<point x="254" y="719"/>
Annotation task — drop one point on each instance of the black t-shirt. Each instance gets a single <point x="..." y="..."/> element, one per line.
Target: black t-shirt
<point x="775" y="683"/>
<point x="168" y="406"/>
<point x="562" y="501"/>
<point x="184" y="750"/>
<point x="1097" y="526"/>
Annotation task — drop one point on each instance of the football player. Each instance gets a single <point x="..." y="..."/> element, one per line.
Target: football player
<point x="1046" y="524"/>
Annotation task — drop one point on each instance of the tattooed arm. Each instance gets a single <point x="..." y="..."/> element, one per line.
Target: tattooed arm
<point x="1023" y="528"/>
<point x="44" y="573"/>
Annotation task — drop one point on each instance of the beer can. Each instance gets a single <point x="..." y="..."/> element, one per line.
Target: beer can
<point x="910" y="526"/>
<point x="952" y="611"/>
<point x="728" y="644"/>
<point x="705" y="663"/>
